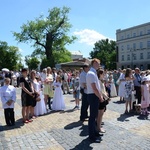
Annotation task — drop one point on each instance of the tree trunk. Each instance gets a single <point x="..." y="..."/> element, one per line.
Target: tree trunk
<point x="49" y="49"/>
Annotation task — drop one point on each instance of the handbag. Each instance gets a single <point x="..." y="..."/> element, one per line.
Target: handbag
<point x="118" y="82"/>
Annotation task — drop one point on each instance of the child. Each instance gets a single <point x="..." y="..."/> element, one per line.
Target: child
<point x="145" y="100"/>
<point x="58" y="100"/>
<point x="40" y="108"/>
<point x="76" y="90"/>
<point x="113" y="92"/>
<point x="8" y="97"/>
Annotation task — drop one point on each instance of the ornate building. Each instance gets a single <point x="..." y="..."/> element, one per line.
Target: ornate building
<point x="133" y="47"/>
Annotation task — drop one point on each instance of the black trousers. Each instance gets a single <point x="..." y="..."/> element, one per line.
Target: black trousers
<point x="138" y="95"/>
<point x="9" y="116"/>
<point x="94" y="105"/>
<point x="49" y="103"/>
<point x="84" y="107"/>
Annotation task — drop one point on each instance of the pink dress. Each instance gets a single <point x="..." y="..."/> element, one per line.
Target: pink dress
<point x="145" y="103"/>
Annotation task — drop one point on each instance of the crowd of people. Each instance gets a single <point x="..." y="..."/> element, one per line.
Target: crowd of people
<point x="44" y="91"/>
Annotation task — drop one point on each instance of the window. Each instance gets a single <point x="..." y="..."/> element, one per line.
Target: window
<point x="122" y="47"/>
<point x="128" y="47"/>
<point x="134" y="34"/>
<point x="128" y="57"/>
<point x="141" y="33"/>
<point x="128" y="36"/>
<point x="122" y="58"/>
<point x="148" y="44"/>
<point x="141" y="67"/>
<point x="148" y="55"/>
<point x="141" y="55"/>
<point x="148" y="31"/>
<point x="122" y="37"/>
<point x="134" y="56"/>
<point x="134" y="45"/>
<point x="141" y="45"/>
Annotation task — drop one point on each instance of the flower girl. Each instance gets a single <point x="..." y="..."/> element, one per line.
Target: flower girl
<point x="58" y="99"/>
<point x="145" y="100"/>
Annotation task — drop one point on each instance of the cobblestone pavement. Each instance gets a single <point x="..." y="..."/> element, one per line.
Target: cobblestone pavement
<point x="63" y="130"/>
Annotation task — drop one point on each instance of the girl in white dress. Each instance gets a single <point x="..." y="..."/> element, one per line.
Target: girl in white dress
<point x="145" y="100"/>
<point x="113" y="91"/>
<point x="121" y="89"/>
<point x="58" y="99"/>
<point x="40" y="108"/>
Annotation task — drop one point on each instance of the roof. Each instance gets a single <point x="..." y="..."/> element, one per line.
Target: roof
<point x="75" y="52"/>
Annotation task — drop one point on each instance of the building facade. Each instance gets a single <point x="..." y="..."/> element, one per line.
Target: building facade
<point x="133" y="47"/>
<point x="76" y="55"/>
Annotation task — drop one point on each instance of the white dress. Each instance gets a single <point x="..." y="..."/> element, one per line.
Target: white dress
<point x="145" y="103"/>
<point x="40" y="108"/>
<point x="121" y="90"/>
<point x="58" y="99"/>
<point x="113" y="91"/>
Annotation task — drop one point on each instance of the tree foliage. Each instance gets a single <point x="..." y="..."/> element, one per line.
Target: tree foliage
<point x="47" y="34"/>
<point x="10" y="57"/>
<point x="32" y="62"/>
<point x="60" y="57"/>
<point x="105" y="50"/>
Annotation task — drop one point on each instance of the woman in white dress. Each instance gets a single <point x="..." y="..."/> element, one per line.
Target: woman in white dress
<point x="58" y="99"/>
<point x="40" y="108"/>
<point x="121" y="90"/>
<point x="113" y="91"/>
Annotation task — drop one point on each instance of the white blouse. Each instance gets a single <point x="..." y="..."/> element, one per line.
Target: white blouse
<point x="8" y="92"/>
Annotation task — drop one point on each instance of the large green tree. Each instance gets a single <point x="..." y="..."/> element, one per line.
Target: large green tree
<point x="10" y="57"/>
<point x="47" y="34"/>
<point x="32" y="62"/>
<point x="105" y="50"/>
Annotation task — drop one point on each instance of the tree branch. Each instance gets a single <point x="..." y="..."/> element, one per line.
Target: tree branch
<point x="36" y="41"/>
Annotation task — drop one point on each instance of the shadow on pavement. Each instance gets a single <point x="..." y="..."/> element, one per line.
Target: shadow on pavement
<point x="84" y="130"/>
<point x="73" y="125"/>
<point x="85" y="144"/>
<point x="67" y="111"/>
<point x="118" y="102"/>
<point x="143" y="117"/>
<point x="18" y="124"/>
<point x="123" y="117"/>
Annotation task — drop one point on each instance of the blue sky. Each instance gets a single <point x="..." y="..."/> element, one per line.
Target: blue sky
<point x="91" y="20"/>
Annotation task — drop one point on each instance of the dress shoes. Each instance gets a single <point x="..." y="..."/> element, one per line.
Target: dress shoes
<point x="98" y="134"/>
<point x="96" y="140"/>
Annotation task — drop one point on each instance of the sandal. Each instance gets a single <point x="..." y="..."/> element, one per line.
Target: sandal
<point x="102" y="131"/>
<point x="30" y="120"/>
<point x="25" y="121"/>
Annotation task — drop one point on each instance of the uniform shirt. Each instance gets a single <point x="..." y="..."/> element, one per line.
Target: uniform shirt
<point x="137" y="81"/>
<point x="8" y="92"/>
<point x="83" y="80"/>
<point x="91" y="77"/>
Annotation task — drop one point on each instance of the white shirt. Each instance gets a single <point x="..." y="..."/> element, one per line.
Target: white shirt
<point x="65" y="76"/>
<point x="91" y="77"/>
<point x="43" y="77"/>
<point x="83" y="80"/>
<point x="8" y="93"/>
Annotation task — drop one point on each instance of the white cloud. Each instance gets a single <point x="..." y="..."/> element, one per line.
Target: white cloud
<point x="89" y="37"/>
<point x="20" y="50"/>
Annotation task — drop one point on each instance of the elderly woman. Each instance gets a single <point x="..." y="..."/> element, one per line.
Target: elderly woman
<point x="8" y="98"/>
